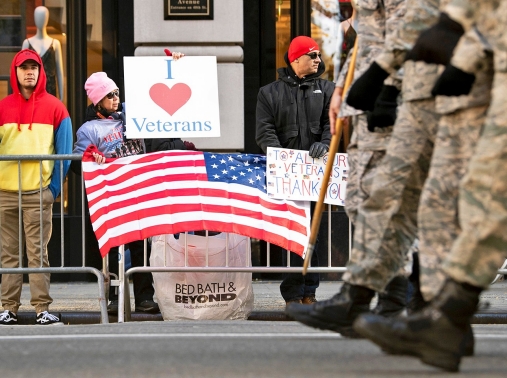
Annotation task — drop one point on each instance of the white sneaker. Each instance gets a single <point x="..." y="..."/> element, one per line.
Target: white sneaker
<point x="45" y="318"/>
<point x="8" y="317"/>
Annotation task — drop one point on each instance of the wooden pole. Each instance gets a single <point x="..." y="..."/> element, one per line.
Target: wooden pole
<point x="333" y="148"/>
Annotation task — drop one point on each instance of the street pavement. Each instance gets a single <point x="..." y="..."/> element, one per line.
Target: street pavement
<point x="222" y="349"/>
<point x="273" y="348"/>
<point x="78" y="303"/>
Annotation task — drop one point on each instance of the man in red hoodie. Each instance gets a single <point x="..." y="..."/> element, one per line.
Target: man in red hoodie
<point x="32" y="122"/>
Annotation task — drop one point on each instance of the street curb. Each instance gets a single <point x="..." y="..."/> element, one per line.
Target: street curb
<point x="489" y="318"/>
<point x="93" y="317"/>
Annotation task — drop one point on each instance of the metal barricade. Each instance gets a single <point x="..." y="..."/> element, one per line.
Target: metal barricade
<point x="122" y="281"/>
<point x="62" y="268"/>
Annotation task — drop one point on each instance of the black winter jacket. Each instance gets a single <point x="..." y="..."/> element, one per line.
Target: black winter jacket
<point x="293" y="112"/>
<point x="164" y="144"/>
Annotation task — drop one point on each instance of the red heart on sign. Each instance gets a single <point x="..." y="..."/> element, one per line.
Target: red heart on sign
<point x="170" y="99"/>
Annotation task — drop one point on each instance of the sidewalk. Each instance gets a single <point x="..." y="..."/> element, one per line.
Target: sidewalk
<point x="78" y="303"/>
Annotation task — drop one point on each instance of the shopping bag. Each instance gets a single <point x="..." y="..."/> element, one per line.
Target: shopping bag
<point x="202" y="295"/>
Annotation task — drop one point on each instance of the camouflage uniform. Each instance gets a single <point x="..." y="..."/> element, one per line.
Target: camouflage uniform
<point x="387" y="221"/>
<point x="479" y="250"/>
<point x="375" y="19"/>
<point x="458" y="132"/>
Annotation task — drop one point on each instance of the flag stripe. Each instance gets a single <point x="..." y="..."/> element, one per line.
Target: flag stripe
<point x="210" y="225"/>
<point x="198" y="210"/>
<point x="171" y="197"/>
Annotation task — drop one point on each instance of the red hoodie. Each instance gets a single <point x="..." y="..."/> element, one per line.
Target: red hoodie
<point x="38" y="126"/>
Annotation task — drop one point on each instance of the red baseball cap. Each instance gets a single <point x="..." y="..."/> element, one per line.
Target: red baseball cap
<point x="25" y="55"/>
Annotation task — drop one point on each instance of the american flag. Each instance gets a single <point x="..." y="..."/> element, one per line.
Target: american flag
<point x="135" y="197"/>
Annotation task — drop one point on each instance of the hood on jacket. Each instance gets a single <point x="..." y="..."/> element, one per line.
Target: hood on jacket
<point x="40" y="86"/>
<point x="23" y="55"/>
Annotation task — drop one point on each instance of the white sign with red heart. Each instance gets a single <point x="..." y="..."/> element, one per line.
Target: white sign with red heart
<point x="165" y="98"/>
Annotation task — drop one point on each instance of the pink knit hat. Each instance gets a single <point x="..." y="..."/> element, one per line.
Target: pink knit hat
<point x="98" y="86"/>
<point x="300" y="46"/>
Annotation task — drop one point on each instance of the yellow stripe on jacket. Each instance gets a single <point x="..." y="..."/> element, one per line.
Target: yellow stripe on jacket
<point x="37" y="141"/>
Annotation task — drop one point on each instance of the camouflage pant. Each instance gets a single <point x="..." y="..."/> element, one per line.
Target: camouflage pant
<point x="480" y="248"/>
<point x="363" y="162"/>
<point x="386" y="223"/>
<point x="438" y="209"/>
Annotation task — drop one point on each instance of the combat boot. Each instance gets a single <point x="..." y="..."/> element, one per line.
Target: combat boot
<point x="336" y="314"/>
<point x="417" y="303"/>
<point x="393" y="300"/>
<point x="436" y="334"/>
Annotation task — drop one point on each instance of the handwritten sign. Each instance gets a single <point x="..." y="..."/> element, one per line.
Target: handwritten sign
<point x="171" y="99"/>
<point x="294" y="175"/>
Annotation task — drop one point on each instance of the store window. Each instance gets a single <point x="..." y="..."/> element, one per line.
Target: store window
<point x="12" y="25"/>
<point x="325" y="29"/>
<point x="94" y="36"/>
<point x="17" y="25"/>
<point x="282" y="30"/>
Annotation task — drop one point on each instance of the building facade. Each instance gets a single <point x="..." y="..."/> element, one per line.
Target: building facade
<point x="249" y="39"/>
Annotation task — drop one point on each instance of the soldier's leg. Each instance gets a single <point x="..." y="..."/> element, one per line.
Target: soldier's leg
<point x="480" y="248"/>
<point x="352" y="191"/>
<point x="387" y="221"/>
<point x="365" y="153"/>
<point x="364" y="160"/>
<point x="457" y="137"/>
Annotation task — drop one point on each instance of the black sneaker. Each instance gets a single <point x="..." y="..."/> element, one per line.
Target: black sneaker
<point x="112" y="307"/>
<point x="8" y="317"/>
<point x="148" y="306"/>
<point x="45" y="318"/>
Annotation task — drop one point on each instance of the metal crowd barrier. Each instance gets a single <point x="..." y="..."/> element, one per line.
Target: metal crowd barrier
<point x="122" y="281"/>
<point x="62" y="268"/>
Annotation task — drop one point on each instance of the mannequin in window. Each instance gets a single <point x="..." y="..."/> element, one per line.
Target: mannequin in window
<point x="50" y="51"/>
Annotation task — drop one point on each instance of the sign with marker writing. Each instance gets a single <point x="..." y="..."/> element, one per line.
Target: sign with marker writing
<point x="293" y="174"/>
<point x="171" y="99"/>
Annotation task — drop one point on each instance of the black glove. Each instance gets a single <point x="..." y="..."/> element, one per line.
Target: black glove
<point x="364" y="91"/>
<point x="317" y="150"/>
<point x="436" y="44"/>
<point x="384" y="112"/>
<point x="453" y="82"/>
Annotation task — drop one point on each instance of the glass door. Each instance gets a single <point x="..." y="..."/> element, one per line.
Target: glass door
<point x="282" y="30"/>
<point x="12" y="32"/>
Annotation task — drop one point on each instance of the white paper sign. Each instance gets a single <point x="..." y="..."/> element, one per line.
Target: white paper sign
<point x="171" y="99"/>
<point x="293" y="174"/>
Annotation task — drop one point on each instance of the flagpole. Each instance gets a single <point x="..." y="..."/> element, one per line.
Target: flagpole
<point x="333" y="148"/>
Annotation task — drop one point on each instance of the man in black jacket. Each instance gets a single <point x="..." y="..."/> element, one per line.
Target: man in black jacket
<point x="292" y="112"/>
